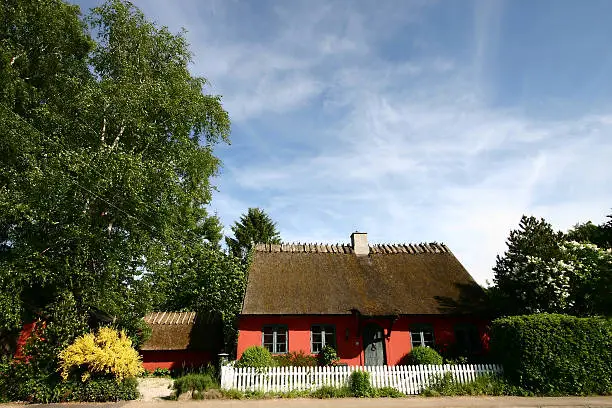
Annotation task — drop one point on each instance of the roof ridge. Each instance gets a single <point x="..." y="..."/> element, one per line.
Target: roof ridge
<point x="411" y="248"/>
<point x="172" y="318"/>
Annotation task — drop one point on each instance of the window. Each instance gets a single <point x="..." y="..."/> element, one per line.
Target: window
<point x="321" y="336"/>
<point x="422" y="336"/>
<point x="468" y="339"/>
<point x="274" y="338"/>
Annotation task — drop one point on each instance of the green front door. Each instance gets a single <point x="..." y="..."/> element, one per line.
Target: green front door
<point x="373" y="345"/>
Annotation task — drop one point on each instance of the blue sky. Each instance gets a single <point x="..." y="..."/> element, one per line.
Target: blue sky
<point x="410" y="120"/>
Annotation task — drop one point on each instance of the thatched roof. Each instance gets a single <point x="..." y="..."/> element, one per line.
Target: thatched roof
<point x="183" y="331"/>
<point x="331" y="279"/>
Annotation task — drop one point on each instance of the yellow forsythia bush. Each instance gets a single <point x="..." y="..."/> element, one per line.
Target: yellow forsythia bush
<point x="106" y="352"/>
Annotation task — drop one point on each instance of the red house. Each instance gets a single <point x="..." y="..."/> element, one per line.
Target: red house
<point x="373" y="303"/>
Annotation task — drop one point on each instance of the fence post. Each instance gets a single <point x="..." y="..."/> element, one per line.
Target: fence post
<point x="227" y="376"/>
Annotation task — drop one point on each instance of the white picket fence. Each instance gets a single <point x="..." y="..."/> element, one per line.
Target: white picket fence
<point x="406" y="379"/>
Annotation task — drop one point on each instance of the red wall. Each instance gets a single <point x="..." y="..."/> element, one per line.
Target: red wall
<point x="350" y="349"/>
<point x="172" y="359"/>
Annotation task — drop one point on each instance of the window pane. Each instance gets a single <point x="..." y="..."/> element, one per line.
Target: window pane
<point x="416" y="338"/>
<point x="316" y="347"/>
<point x="267" y="330"/>
<point x="281" y="347"/>
<point x="428" y="337"/>
<point x="330" y="339"/>
<point x="316" y="337"/>
<point x="269" y="347"/>
<point x="281" y="339"/>
<point x="268" y="338"/>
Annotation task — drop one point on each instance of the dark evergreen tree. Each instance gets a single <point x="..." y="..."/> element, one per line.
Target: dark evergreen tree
<point x="519" y="283"/>
<point x="254" y="227"/>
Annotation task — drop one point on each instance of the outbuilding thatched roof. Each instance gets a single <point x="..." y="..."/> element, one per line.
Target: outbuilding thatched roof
<point x="330" y="279"/>
<point x="183" y="331"/>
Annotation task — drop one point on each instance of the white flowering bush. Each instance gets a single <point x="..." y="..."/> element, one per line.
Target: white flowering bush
<point x="572" y="283"/>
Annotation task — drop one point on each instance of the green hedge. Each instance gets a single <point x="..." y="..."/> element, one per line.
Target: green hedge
<point x="555" y="354"/>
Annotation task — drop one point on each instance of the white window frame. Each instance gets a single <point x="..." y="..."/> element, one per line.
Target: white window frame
<point x="275" y="329"/>
<point x="323" y="332"/>
<point x="419" y="331"/>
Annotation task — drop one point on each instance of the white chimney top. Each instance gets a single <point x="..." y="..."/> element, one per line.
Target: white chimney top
<point x="359" y="241"/>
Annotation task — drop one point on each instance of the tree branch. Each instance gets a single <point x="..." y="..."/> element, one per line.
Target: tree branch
<point x="103" y="130"/>
<point x="116" y="141"/>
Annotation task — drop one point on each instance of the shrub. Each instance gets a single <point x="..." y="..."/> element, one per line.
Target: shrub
<point x="105" y="389"/>
<point x="555" y="354"/>
<point x="196" y="383"/>
<point x="233" y="394"/>
<point x="360" y="384"/>
<point x="483" y="385"/>
<point x="332" y="392"/>
<point x="5" y="367"/>
<point x="107" y="352"/>
<point x="295" y="359"/>
<point x="328" y="356"/>
<point x="184" y="370"/>
<point x="255" y="356"/>
<point x="424" y="355"/>
<point x="161" y="372"/>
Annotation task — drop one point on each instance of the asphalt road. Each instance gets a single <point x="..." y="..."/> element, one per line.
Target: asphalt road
<point x="410" y="402"/>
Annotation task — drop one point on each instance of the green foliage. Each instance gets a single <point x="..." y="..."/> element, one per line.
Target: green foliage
<point x="197" y="384"/>
<point x="521" y="287"/>
<point x="424" y="355"/>
<point x="35" y="377"/>
<point x="106" y="389"/>
<point x="321" y="393"/>
<point x="555" y="354"/>
<point x="233" y="394"/>
<point x="5" y="381"/>
<point x="161" y="372"/>
<point x="208" y="369"/>
<point x="600" y="235"/>
<point x="204" y="279"/>
<point x="25" y="384"/>
<point x="445" y="385"/>
<point x="360" y="384"/>
<point x="328" y="356"/>
<point x="295" y="359"/>
<point x="254" y="227"/>
<point x="544" y="271"/>
<point x="106" y="156"/>
<point x="332" y="392"/>
<point x="255" y="356"/>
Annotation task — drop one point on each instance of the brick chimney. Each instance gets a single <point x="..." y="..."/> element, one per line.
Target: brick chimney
<point x="359" y="241"/>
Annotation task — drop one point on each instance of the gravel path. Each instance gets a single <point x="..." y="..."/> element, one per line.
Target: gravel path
<point x="154" y="389"/>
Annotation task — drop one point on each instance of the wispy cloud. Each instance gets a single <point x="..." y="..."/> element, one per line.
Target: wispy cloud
<point x="380" y="117"/>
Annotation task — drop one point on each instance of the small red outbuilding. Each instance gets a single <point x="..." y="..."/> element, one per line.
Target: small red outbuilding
<point x="373" y="303"/>
<point x="181" y="339"/>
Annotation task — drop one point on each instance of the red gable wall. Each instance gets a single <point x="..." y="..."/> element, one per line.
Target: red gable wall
<point x="348" y="339"/>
